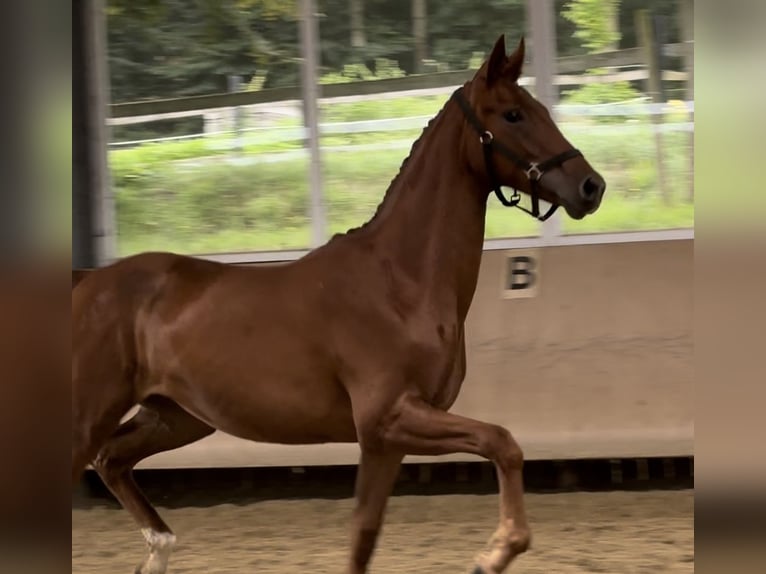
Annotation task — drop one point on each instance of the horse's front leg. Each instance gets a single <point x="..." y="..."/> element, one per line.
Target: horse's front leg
<point x="374" y="481"/>
<point x="417" y="428"/>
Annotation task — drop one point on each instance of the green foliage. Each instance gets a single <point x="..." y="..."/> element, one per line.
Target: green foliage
<point x="456" y="30"/>
<point x="594" y="20"/>
<point x="195" y="196"/>
<point x="384" y="68"/>
<point x="199" y="196"/>
<point x="268" y="9"/>
<point x="384" y="108"/>
<point x="476" y="60"/>
<point x="179" y="48"/>
<point x="154" y="9"/>
<point x="602" y="94"/>
<point x="591" y="94"/>
<point x="173" y="48"/>
<point x="610" y="93"/>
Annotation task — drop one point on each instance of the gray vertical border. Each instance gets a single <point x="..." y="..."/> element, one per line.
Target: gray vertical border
<point x="94" y="173"/>
<point x="309" y="34"/>
<point x="541" y="27"/>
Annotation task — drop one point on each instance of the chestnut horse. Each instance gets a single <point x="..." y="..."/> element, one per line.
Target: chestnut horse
<point x="361" y="340"/>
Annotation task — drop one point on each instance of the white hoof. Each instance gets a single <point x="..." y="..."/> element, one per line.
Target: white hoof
<point x="160" y="546"/>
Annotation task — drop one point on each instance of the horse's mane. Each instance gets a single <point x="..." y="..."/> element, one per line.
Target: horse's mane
<point x="413" y="149"/>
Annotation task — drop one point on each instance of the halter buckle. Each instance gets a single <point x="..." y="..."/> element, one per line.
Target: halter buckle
<point x="486" y="137"/>
<point x="534" y="173"/>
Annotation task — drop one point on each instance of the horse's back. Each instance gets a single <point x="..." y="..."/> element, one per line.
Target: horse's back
<point x="140" y="274"/>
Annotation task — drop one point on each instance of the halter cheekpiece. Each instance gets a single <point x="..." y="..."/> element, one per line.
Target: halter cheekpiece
<point x="533" y="170"/>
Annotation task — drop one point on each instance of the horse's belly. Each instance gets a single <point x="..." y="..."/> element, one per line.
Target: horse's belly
<point x="253" y="376"/>
<point x="271" y="410"/>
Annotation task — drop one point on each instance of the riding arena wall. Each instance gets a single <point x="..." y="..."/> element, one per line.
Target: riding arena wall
<point x="581" y="350"/>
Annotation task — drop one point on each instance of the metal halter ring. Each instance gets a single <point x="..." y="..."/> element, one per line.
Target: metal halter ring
<point x="486" y="137"/>
<point x="534" y="172"/>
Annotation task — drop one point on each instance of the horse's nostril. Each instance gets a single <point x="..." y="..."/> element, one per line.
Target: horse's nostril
<point x="591" y="187"/>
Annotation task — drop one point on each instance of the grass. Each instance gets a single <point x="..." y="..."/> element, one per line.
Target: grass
<point x="182" y="196"/>
<point x="643" y="215"/>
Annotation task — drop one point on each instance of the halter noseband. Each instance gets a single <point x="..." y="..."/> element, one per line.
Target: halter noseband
<point x="534" y="171"/>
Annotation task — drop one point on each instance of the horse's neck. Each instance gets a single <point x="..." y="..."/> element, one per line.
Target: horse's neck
<point x="431" y="224"/>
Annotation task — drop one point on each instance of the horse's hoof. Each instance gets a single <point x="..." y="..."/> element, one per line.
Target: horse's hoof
<point x="476" y="570"/>
<point x="140" y="570"/>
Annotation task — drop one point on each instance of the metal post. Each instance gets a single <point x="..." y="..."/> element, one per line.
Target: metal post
<point x="541" y="27"/>
<point x="686" y="24"/>
<point x="310" y="87"/>
<point x="93" y="237"/>
<point x="419" y="31"/>
<point x="234" y="83"/>
<point x="648" y="41"/>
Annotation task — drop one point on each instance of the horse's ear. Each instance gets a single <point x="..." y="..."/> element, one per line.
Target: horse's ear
<point x="516" y="62"/>
<point x="497" y="61"/>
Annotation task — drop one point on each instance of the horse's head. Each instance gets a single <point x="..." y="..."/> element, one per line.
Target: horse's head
<point x="521" y="146"/>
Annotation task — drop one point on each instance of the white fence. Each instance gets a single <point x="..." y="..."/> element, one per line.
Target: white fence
<point x="272" y="134"/>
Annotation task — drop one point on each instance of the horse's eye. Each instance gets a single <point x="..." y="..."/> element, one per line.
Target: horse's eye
<point x="512" y="116"/>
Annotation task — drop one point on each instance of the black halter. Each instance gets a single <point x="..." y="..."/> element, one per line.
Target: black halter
<point x="534" y="171"/>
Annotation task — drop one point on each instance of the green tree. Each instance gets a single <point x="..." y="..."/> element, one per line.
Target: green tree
<point x="171" y="48"/>
<point x="596" y="21"/>
<point x="597" y="27"/>
<point x="174" y="48"/>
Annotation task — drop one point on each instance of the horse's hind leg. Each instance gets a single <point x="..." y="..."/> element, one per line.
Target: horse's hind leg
<point x="102" y="386"/>
<point x="158" y="426"/>
<point x="96" y="413"/>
